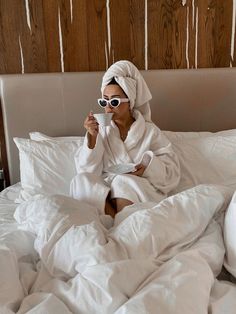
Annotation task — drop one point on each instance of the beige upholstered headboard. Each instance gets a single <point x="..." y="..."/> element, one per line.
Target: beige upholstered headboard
<point x="56" y="104"/>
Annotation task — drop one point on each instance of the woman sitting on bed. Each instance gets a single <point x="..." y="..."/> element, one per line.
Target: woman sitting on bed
<point x="131" y="138"/>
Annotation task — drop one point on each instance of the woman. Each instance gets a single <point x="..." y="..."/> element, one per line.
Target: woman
<point x="131" y="138"/>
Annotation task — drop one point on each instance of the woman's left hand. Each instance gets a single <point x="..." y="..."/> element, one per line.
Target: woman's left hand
<point x="139" y="170"/>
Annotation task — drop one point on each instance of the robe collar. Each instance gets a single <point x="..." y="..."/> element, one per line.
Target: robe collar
<point x="135" y="132"/>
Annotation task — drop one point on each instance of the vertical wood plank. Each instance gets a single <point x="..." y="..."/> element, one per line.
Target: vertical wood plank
<point x="126" y="42"/>
<point x="137" y="36"/>
<point x="96" y="18"/>
<point x="50" y="13"/>
<point x="83" y="34"/>
<point x="22" y="50"/>
<point x="32" y="36"/>
<point x="167" y="34"/>
<point x="215" y="24"/>
<point x="74" y="35"/>
<point x="120" y="31"/>
<point x="10" y="59"/>
<point x="179" y="35"/>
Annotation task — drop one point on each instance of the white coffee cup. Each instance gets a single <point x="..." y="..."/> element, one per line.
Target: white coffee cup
<point x="103" y="119"/>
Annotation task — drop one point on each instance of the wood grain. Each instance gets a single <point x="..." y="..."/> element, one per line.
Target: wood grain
<point x="167" y="34"/>
<point x="33" y="40"/>
<point x="50" y="18"/>
<point x="215" y="24"/>
<point x="171" y="24"/>
<point x="10" y="60"/>
<point x="127" y="32"/>
<point x="96" y="34"/>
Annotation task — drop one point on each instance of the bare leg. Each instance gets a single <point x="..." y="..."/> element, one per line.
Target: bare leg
<point x="109" y="209"/>
<point x="121" y="203"/>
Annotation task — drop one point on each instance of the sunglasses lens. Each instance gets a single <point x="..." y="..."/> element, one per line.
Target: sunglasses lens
<point x="102" y="102"/>
<point x="115" y="102"/>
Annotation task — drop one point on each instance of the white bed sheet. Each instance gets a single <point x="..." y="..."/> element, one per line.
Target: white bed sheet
<point x="7" y="203"/>
<point x="157" y="256"/>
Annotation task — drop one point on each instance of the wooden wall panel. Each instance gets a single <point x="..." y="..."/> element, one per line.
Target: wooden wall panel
<point x="215" y="25"/>
<point x="78" y="42"/>
<point x="51" y="29"/>
<point x="81" y="35"/>
<point x="127" y="27"/>
<point x="166" y="34"/>
<point x="9" y="38"/>
<point x="96" y="34"/>
<point x="32" y="37"/>
<point x="23" y="45"/>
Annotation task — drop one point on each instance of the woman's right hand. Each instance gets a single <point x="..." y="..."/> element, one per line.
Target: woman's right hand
<point x="91" y="126"/>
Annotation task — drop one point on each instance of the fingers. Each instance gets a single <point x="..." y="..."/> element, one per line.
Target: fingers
<point x="91" y="124"/>
<point x="90" y="116"/>
<point x="139" y="170"/>
<point x="90" y="120"/>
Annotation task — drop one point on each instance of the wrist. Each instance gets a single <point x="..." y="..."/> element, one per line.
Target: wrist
<point x="91" y="140"/>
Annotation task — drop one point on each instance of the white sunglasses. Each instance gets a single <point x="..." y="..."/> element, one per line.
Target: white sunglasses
<point x="114" y="102"/>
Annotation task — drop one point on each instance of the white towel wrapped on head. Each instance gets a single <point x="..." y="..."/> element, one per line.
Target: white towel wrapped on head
<point x="133" y="84"/>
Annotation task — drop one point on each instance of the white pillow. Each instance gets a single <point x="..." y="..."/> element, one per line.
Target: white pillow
<point x="209" y="159"/>
<point x="182" y="136"/>
<point x="38" y="136"/>
<point x="46" y="167"/>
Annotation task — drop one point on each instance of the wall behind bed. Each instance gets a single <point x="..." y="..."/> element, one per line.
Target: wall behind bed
<point x="88" y="35"/>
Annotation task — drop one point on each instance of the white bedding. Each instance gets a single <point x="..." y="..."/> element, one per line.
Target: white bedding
<point x="7" y="204"/>
<point x="157" y="258"/>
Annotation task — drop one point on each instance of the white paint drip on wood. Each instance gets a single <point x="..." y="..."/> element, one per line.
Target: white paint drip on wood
<point x="22" y="57"/>
<point x="233" y="33"/>
<point x="196" y="39"/>
<point x="184" y="2"/>
<point x="71" y="11"/>
<point x="28" y="14"/>
<point x="187" y="38"/>
<point x="146" y="36"/>
<point x="108" y="26"/>
<point x="60" y="40"/>
<point x="193" y="15"/>
<point x="106" y="55"/>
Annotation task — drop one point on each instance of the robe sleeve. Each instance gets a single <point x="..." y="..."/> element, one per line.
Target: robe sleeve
<point x="162" y="164"/>
<point x="90" y="160"/>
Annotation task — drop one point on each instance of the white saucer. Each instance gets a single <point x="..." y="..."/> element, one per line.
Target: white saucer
<point x="122" y="168"/>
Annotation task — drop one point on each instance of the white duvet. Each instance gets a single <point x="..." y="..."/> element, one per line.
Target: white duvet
<point x="160" y="258"/>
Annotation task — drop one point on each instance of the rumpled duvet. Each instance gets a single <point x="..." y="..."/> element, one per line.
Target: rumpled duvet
<point x="156" y="258"/>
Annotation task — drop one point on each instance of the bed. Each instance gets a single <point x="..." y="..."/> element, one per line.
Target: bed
<point x="59" y="256"/>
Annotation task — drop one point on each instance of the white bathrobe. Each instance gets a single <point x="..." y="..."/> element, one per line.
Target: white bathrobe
<point x="144" y="144"/>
